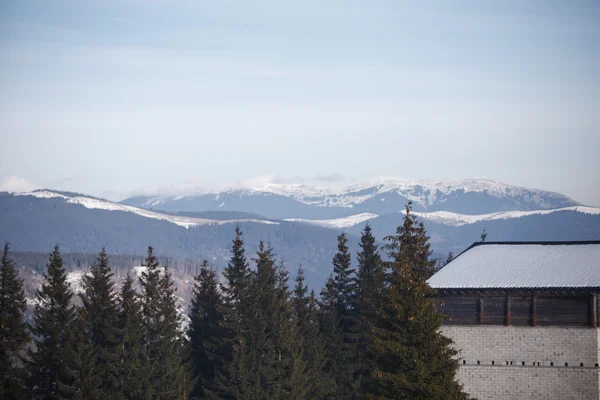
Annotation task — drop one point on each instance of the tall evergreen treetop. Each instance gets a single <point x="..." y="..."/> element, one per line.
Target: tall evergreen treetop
<point x="345" y="282"/>
<point x="13" y="329"/>
<point x="163" y="339"/>
<point x="205" y="331"/>
<point x="371" y="272"/>
<point x="413" y="359"/>
<point x="100" y="303"/>
<point x="52" y="318"/>
<point x="236" y="273"/>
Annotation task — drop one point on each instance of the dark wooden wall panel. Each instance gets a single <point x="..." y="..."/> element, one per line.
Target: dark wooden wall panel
<point x="572" y="311"/>
<point x="459" y="310"/>
<point x="494" y="310"/>
<point x="521" y="310"/>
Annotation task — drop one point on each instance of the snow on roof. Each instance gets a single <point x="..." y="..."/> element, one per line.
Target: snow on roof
<point x="522" y="265"/>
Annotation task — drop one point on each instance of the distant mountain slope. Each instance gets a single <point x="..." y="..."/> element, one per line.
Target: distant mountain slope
<point x="36" y="222"/>
<point x="561" y="225"/>
<point x="379" y="197"/>
<point x="82" y="224"/>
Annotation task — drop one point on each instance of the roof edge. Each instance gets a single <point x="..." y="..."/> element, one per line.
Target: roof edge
<point x="547" y="243"/>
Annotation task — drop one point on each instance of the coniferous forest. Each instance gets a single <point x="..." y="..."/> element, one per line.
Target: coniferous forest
<point x="254" y="333"/>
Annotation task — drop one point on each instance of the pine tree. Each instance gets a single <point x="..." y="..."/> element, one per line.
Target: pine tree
<point x="52" y="318"/>
<point x="328" y="325"/>
<point x="163" y="340"/>
<point x="253" y="374"/>
<point x="342" y="328"/>
<point x="307" y="317"/>
<point x="13" y="329"/>
<point x="450" y="258"/>
<point x="413" y="359"/>
<point x="205" y="332"/>
<point x="296" y="373"/>
<point x="483" y="234"/>
<point x="83" y="377"/>
<point x="235" y="296"/>
<point x="134" y="371"/>
<point x="370" y="286"/>
<point x="100" y="303"/>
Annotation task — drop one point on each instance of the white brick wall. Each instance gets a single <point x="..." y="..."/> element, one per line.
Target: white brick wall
<point x="551" y="347"/>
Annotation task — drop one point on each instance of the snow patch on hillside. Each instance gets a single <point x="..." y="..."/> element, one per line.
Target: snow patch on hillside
<point x="337" y="223"/>
<point x="75" y="280"/>
<point x="454" y="219"/>
<point x="97" y="204"/>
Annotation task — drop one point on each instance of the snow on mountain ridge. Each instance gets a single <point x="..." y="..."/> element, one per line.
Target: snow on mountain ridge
<point x="99" y="204"/>
<point x="423" y="192"/>
<point x="444" y="217"/>
<point x="345" y="222"/>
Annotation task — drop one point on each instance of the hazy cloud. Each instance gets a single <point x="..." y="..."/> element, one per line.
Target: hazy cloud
<point x="331" y="178"/>
<point x="16" y="184"/>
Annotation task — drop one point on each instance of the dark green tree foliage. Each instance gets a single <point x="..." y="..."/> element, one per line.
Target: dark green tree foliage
<point x="328" y="324"/>
<point x="370" y="286"/>
<point x="100" y="303"/>
<point x="297" y="374"/>
<point x="235" y="289"/>
<point x="268" y="360"/>
<point x="134" y="371"/>
<point x="450" y="258"/>
<point x="205" y="331"/>
<point x="163" y="341"/>
<point x="340" y="326"/>
<point x="413" y="359"/>
<point x="307" y="317"/>
<point x="52" y="318"/>
<point x="83" y="377"/>
<point x="252" y="374"/>
<point x="13" y="329"/>
<point x="483" y="235"/>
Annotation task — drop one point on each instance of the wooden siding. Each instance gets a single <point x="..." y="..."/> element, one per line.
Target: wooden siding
<point x="520" y="308"/>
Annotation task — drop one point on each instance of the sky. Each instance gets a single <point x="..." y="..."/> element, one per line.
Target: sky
<point x="113" y="98"/>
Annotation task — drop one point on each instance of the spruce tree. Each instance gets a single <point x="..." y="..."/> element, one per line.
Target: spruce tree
<point x="134" y="371"/>
<point x="348" y="377"/>
<point x="307" y="317"/>
<point x="483" y="235"/>
<point x="331" y="336"/>
<point x="235" y="289"/>
<point x="83" y="379"/>
<point x="13" y="329"/>
<point x="252" y="374"/>
<point x="413" y="359"/>
<point x="450" y="258"/>
<point x="52" y="318"/>
<point x="340" y="324"/>
<point x="163" y="340"/>
<point x="205" y="332"/>
<point x="295" y="374"/>
<point x="99" y="301"/>
<point x="370" y="286"/>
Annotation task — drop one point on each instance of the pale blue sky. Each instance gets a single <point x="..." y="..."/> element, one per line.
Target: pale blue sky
<point x="107" y="97"/>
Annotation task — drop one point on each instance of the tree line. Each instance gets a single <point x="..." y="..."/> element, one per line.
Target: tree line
<point x="371" y="333"/>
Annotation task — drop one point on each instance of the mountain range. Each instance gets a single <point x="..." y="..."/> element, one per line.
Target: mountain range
<point x="300" y="222"/>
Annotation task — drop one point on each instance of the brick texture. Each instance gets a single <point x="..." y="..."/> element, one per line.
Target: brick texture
<point x="509" y="362"/>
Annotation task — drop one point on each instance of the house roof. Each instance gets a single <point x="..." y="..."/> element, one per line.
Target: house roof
<point x="506" y="265"/>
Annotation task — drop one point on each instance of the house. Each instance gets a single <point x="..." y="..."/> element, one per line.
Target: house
<point x="525" y="317"/>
